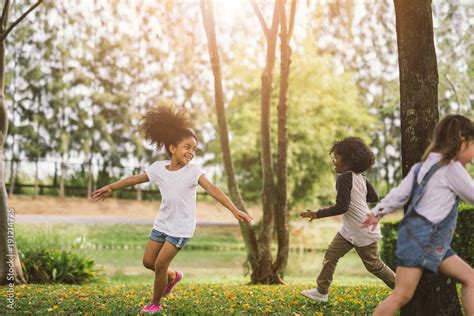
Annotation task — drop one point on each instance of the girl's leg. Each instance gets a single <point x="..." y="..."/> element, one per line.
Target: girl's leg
<point x="456" y="267"/>
<point x="372" y="262"/>
<point x="149" y="257"/>
<point x="163" y="260"/>
<point x="406" y="280"/>
<point x="336" y="250"/>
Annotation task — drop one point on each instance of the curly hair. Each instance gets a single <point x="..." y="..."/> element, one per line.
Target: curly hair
<point x="448" y="136"/>
<point x="354" y="153"/>
<point x="165" y="125"/>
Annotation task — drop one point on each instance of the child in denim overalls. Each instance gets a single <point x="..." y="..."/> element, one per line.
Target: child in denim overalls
<point x="434" y="188"/>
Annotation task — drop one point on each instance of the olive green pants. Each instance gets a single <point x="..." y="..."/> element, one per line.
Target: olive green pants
<point x="368" y="254"/>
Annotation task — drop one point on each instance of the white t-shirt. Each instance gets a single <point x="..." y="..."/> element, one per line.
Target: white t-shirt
<point x="177" y="214"/>
<point x="441" y="190"/>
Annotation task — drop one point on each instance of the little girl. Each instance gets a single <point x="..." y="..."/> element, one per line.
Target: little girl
<point x="177" y="180"/>
<point x="433" y="188"/>
<point x="351" y="158"/>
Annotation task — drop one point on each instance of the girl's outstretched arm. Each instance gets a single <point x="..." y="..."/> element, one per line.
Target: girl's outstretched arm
<point x="102" y="193"/>
<point x="222" y="198"/>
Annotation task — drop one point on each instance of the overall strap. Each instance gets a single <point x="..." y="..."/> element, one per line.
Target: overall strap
<point x="418" y="190"/>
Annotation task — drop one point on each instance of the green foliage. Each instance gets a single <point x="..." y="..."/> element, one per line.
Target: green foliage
<point x="48" y="258"/>
<point x="322" y="107"/>
<point x="462" y="244"/>
<point x="388" y="247"/>
<point x="196" y="299"/>
<point x="463" y="240"/>
<point x="57" y="266"/>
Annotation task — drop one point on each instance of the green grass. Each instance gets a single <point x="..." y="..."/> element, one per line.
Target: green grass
<point x="123" y="235"/>
<point x="316" y="235"/>
<point x="192" y="298"/>
<point x="119" y="250"/>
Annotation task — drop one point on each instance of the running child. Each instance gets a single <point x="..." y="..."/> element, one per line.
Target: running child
<point x="433" y="187"/>
<point x="351" y="158"/>
<point x="177" y="180"/>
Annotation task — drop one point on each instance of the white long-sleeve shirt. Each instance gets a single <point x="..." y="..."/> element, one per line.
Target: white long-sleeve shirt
<point x="443" y="187"/>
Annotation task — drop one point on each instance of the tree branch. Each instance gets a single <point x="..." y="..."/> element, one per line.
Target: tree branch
<point x="10" y="28"/>
<point x="5" y="10"/>
<point x="453" y="87"/>
<point x="292" y="18"/>
<point x="202" y="5"/>
<point x="260" y="18"/>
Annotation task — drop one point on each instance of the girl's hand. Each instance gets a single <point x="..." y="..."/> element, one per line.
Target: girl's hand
<point x="102" y="193"/>
<point x="371" y="221"/>
<point x="309" y="214"/>
<point x="241" y="216"/>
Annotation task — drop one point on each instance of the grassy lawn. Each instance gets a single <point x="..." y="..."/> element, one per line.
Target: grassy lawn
<point x="193" y="298"/>
<point x="215" y="253"/>
<point x="215" y="280"/>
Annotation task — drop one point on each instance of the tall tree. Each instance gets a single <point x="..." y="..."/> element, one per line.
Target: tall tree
<point x="274" y="201"/>
<point x="435" y="294"/>
<point x="250" y="237"/>
<point x="281" y="207"/>
<point x="268" y="190"/>
<point x="7" y="250"/>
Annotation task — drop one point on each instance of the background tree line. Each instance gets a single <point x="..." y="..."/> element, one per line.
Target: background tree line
<point x="80" y="75"/>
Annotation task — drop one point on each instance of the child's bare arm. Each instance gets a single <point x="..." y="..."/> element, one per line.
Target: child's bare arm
<point x="102" y="193"/>
<point x="222" y="198"/>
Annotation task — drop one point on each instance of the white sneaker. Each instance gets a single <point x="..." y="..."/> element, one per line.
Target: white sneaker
<point x="315" y="295"/>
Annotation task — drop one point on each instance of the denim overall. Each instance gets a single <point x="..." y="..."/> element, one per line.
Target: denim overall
<point x="421" y="243"/>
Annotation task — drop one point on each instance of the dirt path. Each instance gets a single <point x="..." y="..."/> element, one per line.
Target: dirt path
<point x="47" y="209"/>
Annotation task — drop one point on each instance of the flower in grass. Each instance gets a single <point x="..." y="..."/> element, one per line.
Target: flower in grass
<point x="268" y="309"/>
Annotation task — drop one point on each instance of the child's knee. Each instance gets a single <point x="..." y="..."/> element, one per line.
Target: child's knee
<point x="148" y="264"/>
<point x="401" y="297"/>
<point x="468" y="280"/>
<point x="160" y="266"/>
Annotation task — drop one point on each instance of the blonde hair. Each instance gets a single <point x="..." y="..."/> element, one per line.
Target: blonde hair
<point x="448" y="136"/>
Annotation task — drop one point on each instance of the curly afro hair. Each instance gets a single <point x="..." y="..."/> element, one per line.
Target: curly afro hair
<point x="354" y="153"/>
<point x="165" y="125"/>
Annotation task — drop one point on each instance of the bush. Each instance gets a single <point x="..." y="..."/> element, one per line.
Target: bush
<point x="463" y="240"/>
<point x="46" y="260"/>
<point x="57" y="266"/>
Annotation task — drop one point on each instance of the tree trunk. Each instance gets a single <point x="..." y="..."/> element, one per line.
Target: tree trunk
<point x="12" y="176"/>
<point x="266" y="273"/>
<point x="10" y="266"/>
<point x="419" y="114"/>
<point x="61" y="178"/>
<point x="418" y="78"/>
<point x="281" y="210"/>
<point x="90" y="179"/>
<point x="36" y="183"/>
<point x="248" y="232"/>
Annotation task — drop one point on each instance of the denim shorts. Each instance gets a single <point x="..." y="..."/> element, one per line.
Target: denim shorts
<point x="158" y="236"/>
<point x="423" y="244"/>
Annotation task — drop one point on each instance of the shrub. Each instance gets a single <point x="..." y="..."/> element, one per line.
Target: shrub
<point x="46" y="260"/>
<point x="463" y="240"/>
<point x="57" y="266"/>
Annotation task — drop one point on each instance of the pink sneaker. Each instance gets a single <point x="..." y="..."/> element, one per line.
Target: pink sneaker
<point x="152" y="308"/>
<point x="169" y="287"/>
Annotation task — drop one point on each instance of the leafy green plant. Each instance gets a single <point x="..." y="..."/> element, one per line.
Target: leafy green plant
<point x="57" y="266"/>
